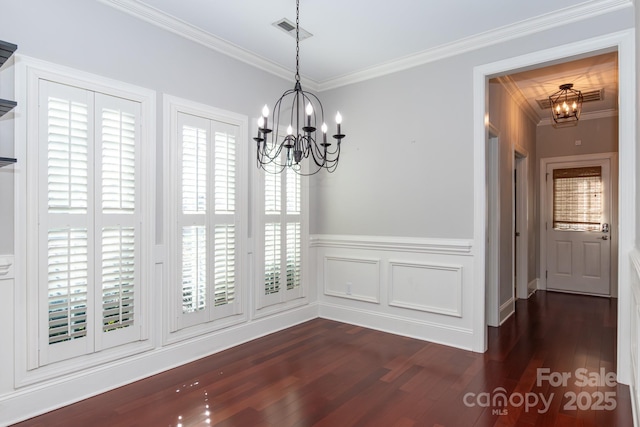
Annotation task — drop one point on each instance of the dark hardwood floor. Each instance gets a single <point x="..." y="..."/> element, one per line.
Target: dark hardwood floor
<point x="326" y="373"/>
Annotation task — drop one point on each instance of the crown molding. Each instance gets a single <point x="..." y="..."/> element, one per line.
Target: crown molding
<point x="517" y="96"/>
<point x="509" y="32"/>
<point x="170" y="23"/>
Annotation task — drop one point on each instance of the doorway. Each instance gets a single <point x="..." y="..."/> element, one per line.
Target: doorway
<point x="578" y="199"/>
<point x="521" y="198"/>
<point x="623" y="42"/>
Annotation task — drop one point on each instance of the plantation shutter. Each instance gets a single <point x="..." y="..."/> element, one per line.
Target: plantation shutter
<point x="225" y="218"/>
<point x="117" y="218"/>
<point x="207" y="219"/>
<point x="88" y="221"/>
<point x="294" y="236"/>
<point x="282" y="238"/>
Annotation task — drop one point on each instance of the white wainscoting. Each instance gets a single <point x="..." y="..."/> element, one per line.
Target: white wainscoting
<point x="7" y="319"/>
<point x="635" y="335"/>
<point x="434" y="288"/>
<point x="354" y="278"/>
<point x="407" y="286"/>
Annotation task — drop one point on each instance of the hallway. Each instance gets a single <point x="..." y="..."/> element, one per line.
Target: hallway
<point x="326" y="373"/>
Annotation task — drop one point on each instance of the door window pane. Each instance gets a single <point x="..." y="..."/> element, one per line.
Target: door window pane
<point x="577" y="199"/>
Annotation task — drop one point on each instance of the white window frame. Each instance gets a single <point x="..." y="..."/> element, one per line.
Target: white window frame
<point x="29" y="72"/>
<point x="232" y="314"/>
<point x="285" y="299"/>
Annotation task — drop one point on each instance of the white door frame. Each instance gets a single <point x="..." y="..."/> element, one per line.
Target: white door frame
<point x="521" y="246"/>
<point x="542" y="214"/>
<point x="493" y="228"/>
<point x="624" y="43"/>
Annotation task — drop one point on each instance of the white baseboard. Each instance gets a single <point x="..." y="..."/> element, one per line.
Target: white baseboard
<point x="507" y="309"/>
<point x="533" y="286"/>
<point x="433" y="332"/>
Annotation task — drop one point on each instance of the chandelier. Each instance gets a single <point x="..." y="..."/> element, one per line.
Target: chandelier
<point x="277" y="151"/>
<point x="566" y="105"/>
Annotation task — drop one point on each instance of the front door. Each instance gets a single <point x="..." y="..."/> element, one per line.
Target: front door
<point x="578" y="227"/>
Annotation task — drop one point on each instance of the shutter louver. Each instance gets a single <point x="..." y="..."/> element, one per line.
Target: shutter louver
<point x="194" y="269"/>
<point x="194" y="170"/>
<point x="225" y="173"/>
<point x="118" y="277"/>
<point x="67" y="156"/>
<point x="272" y="191"/>
<point x="224" y="264"/>
<point x="68" y="274"/>
<point x="118" y="161"/>
<point x="293" y="255"/>
<point x="272" y="264"/>
<point x="293" y="192"/>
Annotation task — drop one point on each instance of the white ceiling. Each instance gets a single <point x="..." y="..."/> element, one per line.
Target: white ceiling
<point x="356" y="39"/>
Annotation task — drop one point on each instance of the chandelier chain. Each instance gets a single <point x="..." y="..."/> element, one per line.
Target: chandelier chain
<point x="297" y="40"/>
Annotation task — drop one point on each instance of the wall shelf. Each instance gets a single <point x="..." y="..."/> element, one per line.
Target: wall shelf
<point x="6" y="106"/>
<point x="6" y="161"/>
<point x="6" y="50"/>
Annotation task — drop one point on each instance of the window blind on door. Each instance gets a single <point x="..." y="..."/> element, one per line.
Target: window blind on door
<point x="577" y="198"/>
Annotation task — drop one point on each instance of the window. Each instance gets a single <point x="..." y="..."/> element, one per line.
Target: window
<point x="577" y="198"/>
<point x="206" y="201"/>
<point x="282" y="227"/>
<point x="86" y="180"/>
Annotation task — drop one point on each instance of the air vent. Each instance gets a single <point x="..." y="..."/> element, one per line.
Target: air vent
<point x="290" y="28"/>
<point x="592" y="95"/>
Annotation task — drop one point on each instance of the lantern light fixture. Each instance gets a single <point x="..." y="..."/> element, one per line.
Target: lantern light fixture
<point x="566" y="105"/>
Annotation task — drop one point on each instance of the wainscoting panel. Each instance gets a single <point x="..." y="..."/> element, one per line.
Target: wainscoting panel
<point x="408" y="286"/>
<point x="354" y="278"/>
<point x="436" y="288"/>
<point x="7" y="320"/>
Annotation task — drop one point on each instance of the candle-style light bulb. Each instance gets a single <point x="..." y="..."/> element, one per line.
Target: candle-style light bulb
<point x="309" y="111"/>
<point x="265" y="114"/>
<point x="338" y="121"/>
<point x="324" y="132"/>
<point x="260" y="125"/>
<point x="289" y="130"/>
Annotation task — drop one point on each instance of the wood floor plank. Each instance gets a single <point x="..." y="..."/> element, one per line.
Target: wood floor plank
<point x="326" y="373"/>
